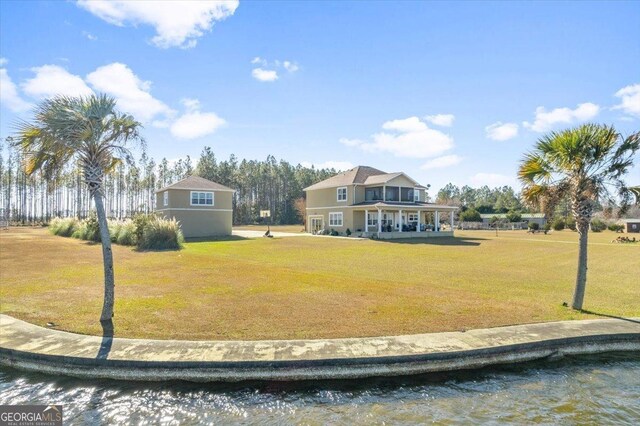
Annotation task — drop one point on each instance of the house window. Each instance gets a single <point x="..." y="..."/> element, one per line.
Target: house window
<point x="416" y="195"/>
<point x="342" y="194"/>
<point x="412" y="217"/>
<point x="335" y="219"/>
<point x="201" y="198"/>
<point x="372" y="219"/>
<point x="165" y="197"/>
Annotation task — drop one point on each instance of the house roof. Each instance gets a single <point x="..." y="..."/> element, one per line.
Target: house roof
<point x="504" y="216"/>
<point x="363" y="175"/>
<point x="196" y="183"/>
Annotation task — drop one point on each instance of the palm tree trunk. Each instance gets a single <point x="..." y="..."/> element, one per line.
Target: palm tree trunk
<point x="581" y="278"/>
<point x="107" y="257"/>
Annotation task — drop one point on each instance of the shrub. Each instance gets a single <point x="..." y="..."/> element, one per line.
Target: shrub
<point x="616" y="227"/>
<point x="126" y="235"/>
<point x="63" y="227"/>
<point x="534" y="226"/>
<point x="334" y="233"/>
<point x="140" y="220"/>
<point x="558" y="224"/>
<point x="514" y="216"/>
<point x="547" y="226"/>
<point x="571" y="223"/>
<point x="470" y="215"/>
<point x="160" y="234"/>
<point x="348" y="232"/>
<point x="597" y="225"/>
<point x="88" y="229"/>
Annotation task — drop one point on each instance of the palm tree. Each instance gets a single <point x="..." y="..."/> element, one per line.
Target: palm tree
<point x="90" y="132"/>
<point x="585" y="164"/>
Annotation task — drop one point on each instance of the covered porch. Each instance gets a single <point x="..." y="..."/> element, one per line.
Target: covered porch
<point x="406" y="220"/>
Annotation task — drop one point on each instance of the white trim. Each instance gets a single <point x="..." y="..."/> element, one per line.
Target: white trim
<point x="204" y="209"/>
<point x="213" y="198"/>
<point x="341" y="219"/>
<point x="165" y="198"/>
<point x="400" y="206"/>
<point x="346" y="194"/>
<point x="195" y="189"/>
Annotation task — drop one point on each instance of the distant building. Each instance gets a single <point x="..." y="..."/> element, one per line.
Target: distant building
<point x="538" y="218"/>
<point x="203" y="208"/>
<point x="632" y="225"/>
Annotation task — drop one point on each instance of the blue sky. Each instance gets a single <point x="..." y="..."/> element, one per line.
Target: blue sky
<point x="447" y="92"/>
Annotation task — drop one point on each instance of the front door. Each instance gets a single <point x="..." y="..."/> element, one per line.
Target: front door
<point x="315" y="224"/>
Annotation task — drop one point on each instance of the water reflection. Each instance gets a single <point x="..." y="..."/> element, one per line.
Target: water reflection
<point x="601" y="390"/>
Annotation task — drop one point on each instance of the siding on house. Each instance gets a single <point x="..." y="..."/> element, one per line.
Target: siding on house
<point x="198" y="220"/>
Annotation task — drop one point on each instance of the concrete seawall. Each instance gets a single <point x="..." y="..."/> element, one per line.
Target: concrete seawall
<point x="32" y="348"/>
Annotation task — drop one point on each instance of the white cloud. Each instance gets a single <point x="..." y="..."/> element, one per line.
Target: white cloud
<point x="290" y="66"/>
<point x="630" y="97"/>
<point x="351" y="142"/>
<point x="264" y="75"/>
<point x="132" y="94"/>
<point x="500" y="131"/>
<point x="177" y="23"/>
<point x="545" y="120"/>
<point x="442" y="162"/>
<point x="52" y="80"/>
<point x="492" y="180"/>
<point x="338" y="165"/>
<point x="407" y="137"/>
<point x="9" y="95"/>
<point x="259" y="60"/>
<point x="194" y="124"/>
<point x="445" y="120"/>
<point x="3" y="61"/>
<point x="89" y="36"/>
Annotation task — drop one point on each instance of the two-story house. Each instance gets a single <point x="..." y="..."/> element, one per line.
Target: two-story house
<point x="369" y="201"/>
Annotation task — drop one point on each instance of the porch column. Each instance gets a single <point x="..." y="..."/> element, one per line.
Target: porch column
<point x="379" y="221"/>
<point x="366" y="220"/>
<point x="451" y="219"/>
<point x="418" y="226"/>
<point x="400" y="221"/>
<point x="436" y="225"/>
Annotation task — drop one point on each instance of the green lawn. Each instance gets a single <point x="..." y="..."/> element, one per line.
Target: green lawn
<point x="310" y="287"/>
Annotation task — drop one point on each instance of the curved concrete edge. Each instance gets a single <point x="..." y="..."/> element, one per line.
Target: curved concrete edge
<point x="325" y="369"/>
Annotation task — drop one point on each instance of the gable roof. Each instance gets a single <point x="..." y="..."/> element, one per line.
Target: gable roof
<point x="362" y="175"/>
<point x="356" y="175"/>
<point x="196" y="183"/>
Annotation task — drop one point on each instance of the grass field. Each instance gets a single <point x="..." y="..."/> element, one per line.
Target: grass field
<point x="308" y="287"/>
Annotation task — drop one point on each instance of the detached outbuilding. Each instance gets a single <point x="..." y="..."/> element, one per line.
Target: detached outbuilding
<point x="203" y="208"/>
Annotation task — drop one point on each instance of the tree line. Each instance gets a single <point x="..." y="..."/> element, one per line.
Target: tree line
<point x="271" y="184"/>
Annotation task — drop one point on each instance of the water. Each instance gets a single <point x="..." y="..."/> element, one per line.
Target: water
<point x="585" y="390"/>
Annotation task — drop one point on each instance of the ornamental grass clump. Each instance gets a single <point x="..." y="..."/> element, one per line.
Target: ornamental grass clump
<point x="161" y="234"/>
<point x="63" y="227"/>
<point x="126" y="235"/>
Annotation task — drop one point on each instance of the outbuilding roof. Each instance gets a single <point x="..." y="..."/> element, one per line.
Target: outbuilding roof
<point x="363" y="175"/>
<point x="196" y="183"/>
<point x="504" y="216"/>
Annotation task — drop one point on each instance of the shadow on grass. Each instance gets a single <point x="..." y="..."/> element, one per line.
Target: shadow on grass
<point x="107" y="339"/>
<point x="437" y="241"/>
<point x="585" y="311"/>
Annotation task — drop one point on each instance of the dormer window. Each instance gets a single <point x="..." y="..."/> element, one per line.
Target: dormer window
<point x="342" y="193"/>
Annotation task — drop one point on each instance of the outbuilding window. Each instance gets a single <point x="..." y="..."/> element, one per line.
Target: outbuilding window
<point x="201" y="198"/>
<point x="342" y="193"/>
<point x="165" y="197"/>
<point x="335" y="219"/>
